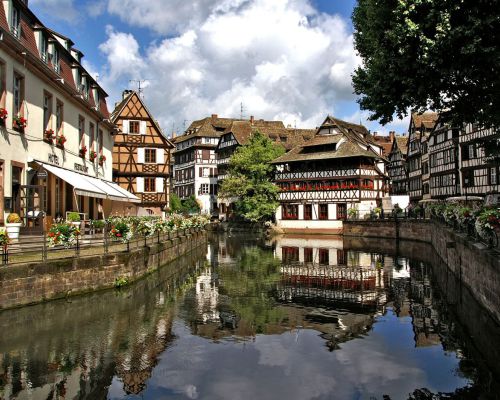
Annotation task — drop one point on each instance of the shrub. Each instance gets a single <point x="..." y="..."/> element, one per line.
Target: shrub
<point x="97" y="223"/>
<point x="74" y="217"/>
<point x="13" y="218"/>
<point x="62" y="234"/>
<point x="121" y="281"/>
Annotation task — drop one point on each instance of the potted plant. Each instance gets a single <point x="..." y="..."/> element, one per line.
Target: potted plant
<point x="3" y="115"/>
<point x="62" y="234"/>
<point x="49" y="136"/>
<point x="92" y="155"/>
<point x="61" y="139"/>
<point x="19" y="122"/>
<point x="13" y="225"/>
<point x="352" y="212"/>
<point x="120" y="230"/>
<point x="4" y="238"/>
<point x="102" y="158"/>
<point x="83" y="151"/>
<point x="74" y="218"/>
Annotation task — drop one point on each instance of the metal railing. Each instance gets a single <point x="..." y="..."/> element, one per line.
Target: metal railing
<point x="28" y="249"/>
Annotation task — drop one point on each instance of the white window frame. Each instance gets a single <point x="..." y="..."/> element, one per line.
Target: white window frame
<point x="204" y="188"/>
<point x="15" y="25"/>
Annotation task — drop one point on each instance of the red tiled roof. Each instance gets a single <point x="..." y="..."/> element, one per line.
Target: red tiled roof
<point x="27" y="38"/>
<point x="3" y="19"/>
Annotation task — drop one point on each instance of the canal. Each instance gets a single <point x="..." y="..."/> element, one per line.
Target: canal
<point x="245" y="318"/>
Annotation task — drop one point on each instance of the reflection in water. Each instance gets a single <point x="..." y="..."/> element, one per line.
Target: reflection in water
<point x="297" y="318"/>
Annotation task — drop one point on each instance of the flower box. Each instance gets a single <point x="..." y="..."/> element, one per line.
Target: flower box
<point x="48" y="136"/>
<point x="83" y="151"/>
<point x="19" y="123"/>
<point x="92" y="155"/>
<point x="60" y="140"/>
<point x="102" y="158"/>
<point x="3" y="116"/>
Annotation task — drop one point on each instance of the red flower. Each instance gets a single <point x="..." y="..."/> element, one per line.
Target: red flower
<point x="118" y="235"/>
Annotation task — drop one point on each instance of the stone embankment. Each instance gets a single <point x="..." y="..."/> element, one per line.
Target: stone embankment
<point x="474" y="265"/>
<point x="37" y="282"/>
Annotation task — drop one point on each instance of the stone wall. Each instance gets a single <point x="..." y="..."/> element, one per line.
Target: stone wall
<point x="36" y="282"/>
<point x="474" y="265"/>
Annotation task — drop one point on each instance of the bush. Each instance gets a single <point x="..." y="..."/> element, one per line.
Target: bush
<point x="97" y="223"/>
<point x="13" y="218"/>
<point x="74" y="217"/>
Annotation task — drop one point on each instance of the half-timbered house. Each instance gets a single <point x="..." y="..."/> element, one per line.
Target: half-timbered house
<point x="141" y="155"/>
<point x="420" y="128"/>
<point x="443" y="160"/>
<point x="396" y="169"/>
<point x="479" y="173"/>
<point x="339" y="169"/>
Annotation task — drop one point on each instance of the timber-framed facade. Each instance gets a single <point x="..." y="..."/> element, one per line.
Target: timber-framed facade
<point x="141" y="155"/>
<point x="397" y="168"/>
<point x="341" y="168"/>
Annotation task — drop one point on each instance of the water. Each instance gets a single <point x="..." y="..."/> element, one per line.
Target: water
<point x="248" y="319"/>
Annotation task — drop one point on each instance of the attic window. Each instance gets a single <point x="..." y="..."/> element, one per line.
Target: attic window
<point x="283" y="138"/>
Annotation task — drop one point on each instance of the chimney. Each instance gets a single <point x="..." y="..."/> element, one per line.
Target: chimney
<point x="392" y="134"/>
<point x="125" y="93"/>
<point x="173" y="134"/>
<point x="251" y="119"/>
<point x="214" y="116"/>
<point x="374" y="133"/>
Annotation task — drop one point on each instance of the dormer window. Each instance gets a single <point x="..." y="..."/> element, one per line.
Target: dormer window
<point x="55" y="58"/>
<point x="15" y="25"/>
<point x="44" y="46"/>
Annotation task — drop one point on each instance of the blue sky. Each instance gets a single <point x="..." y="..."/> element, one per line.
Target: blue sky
<point x="281" y="59"/>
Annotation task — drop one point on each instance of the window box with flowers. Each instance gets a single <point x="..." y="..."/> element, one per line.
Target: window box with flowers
<point x="92" y="155"/>
<point x="83" y="151"/>
<point x="60" y="140"/>
<point x="3" y="116"/>
<point x="48" y="136"/>
<point x="63" y="234"/>
<point x="19" y="123"/>
<point x="102" y="158"/>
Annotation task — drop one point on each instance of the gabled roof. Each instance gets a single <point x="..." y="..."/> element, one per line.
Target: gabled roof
<point x="400" y="143"/>
<point x="207" y="127"/>
<point x="117" y="113"/>
<point x="351" y="141"/>
<point x="427" y="119"/>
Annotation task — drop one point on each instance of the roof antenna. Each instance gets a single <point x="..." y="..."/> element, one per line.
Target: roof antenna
<point x="140" y="87"/>
<point x="242" y="110"/>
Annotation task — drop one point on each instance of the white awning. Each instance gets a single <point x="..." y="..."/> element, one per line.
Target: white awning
<point x="90" y="186"/>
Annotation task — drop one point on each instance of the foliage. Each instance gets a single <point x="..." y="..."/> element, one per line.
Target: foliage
<point x="4" y="237"/>
<point x="3" y="113"/>
<point x="488" y="221"/>
<point x="63" y="234"/>
<point x="175" y="203"/>
<point x="121" y="281"/>
<point x="148" y="227"/>
<point x="190" y="205"/>
<point x="352" y="212"/>
<point x="73" y="217"/>
<point x="20" y="122"/>
<point x="13" y="218"/>
<point x="249" y="179"/>
<point x="97" y="223"/>
<point x="429" y="54"/>
<point x="121" y="229"/>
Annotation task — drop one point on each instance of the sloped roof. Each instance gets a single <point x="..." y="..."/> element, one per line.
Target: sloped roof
<point x="428" y="119"/>
<point x="402" y="143"/>
<point x="208" y="127"/>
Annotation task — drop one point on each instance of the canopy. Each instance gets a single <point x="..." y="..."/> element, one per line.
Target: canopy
<point x="90" y="186"/>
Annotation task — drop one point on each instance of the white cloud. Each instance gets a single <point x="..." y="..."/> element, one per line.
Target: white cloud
<point x="282" y="59"/>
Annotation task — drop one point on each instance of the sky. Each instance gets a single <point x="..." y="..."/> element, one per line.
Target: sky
<point x="287" y="60"/>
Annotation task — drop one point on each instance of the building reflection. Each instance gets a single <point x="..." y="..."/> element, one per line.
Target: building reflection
<point x="76" y="350"/>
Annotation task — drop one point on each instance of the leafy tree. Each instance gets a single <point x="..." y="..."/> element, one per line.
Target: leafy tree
<point x="249" y="179"/>
<point x="190" y="205"/>
<point x="429" y="54"/>
<point x="175" y="203"/>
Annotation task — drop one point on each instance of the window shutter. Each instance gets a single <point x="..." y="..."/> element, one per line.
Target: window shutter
<point x="159" y="185"/>
<point x="142" y="127"/>
<point x="140" y="184"/>
<point x="160" y="159"/>
<point x="140" y="155"/>
<point x="125" y="126"/>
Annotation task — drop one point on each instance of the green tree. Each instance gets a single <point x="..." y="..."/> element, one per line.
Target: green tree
<point x="190" y="205"/>
<point x="429" y="54"/>
<point x="175" y="203"/>
<point x="249" y="179"/>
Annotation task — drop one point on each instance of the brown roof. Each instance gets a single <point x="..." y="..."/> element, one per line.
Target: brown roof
<point x="211" y="126"/>
<point x="428" y="119"/>
<point x="402" y="144"/>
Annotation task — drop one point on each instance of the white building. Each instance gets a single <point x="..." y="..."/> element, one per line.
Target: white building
<point x="56" y="139"/>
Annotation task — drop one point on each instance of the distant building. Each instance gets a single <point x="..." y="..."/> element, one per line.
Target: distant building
<point x="141" y="155"/>
<point x="421" y="126"/>
<point x="342" y="167"/>
<point x="397" y="169"/>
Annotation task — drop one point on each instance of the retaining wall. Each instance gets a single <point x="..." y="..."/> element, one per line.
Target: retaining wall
<point x="36" y="282"/>
<point x="477" y="267"/>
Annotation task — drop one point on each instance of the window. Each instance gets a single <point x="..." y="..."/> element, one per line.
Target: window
<point x="47" y="110"/>
<point x="290" y="254"/>
<point x="81" y="131"/>
<point x="204" y="188"/>
<point x="101" y="141"/>
<point x="91" y="135"/>
<point x="468" y="178"/>
<point x="59" y="118"/>
<point x="134" y="127"/>
<point x="15" y="26"/>
<point x="150" y="156"/>
<point x="3" y="91"/>
<point x="290" y="211"/>
<point x="308" y="211"/>
<point x="308" y="255"/>
<point x="323" y="211"/>
<point x="341" y="211"/>
<point x="18" y="94"/>
<point x="493" y="175"/>
<point x="472" y="151"/>
<point x="43" y="47"/>
<point x="149" y="184"/>
<point x="206" y="172"/>
<point x="341" y="257"/>
<point x="55" y="58"/>
<point x="324" y="257"/>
